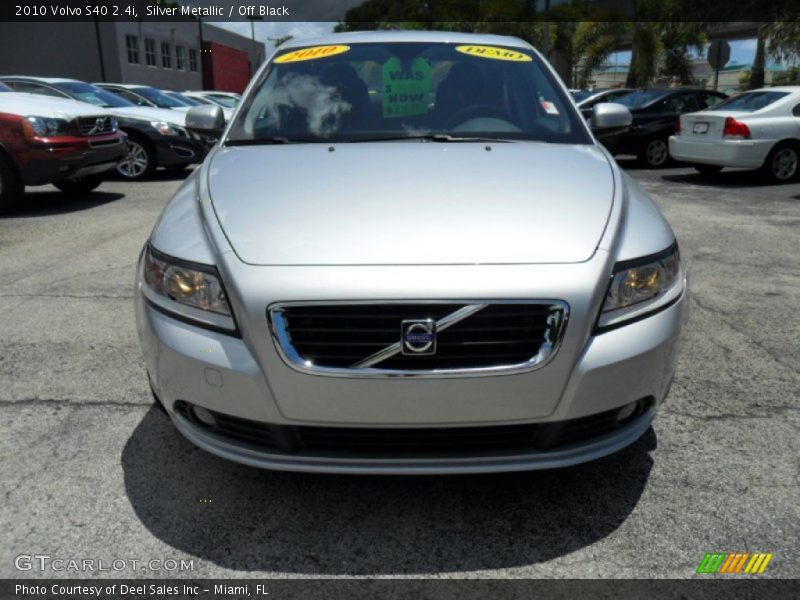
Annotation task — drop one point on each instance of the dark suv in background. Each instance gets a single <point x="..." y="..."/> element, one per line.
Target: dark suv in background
<point x="655" y="113"/>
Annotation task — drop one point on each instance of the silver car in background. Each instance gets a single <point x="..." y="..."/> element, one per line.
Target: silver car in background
<point x="408" y="254"/>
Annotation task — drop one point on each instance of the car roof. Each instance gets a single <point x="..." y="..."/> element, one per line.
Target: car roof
<point x="367" y="37"/>
<point x="43" y="79"/>
<point x="127" y="86"/>
<point x="779" y="88"/>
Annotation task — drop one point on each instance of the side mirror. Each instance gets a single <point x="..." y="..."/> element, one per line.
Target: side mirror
<point x="609" y="115"/>
<point x="206" y="119"/>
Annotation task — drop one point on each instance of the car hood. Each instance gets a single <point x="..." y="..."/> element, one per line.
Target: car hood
<point x="36" y="105"/>
<point x="391" y="203"/>
<point x="149" y="113"/>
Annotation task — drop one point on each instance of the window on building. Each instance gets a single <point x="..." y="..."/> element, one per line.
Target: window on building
<point x="150" y="52"/>
<point x="180" y="58"/>
<point x="193" y="60"/>
<point x="166" y="55"/>
<point x="132" y="45"/>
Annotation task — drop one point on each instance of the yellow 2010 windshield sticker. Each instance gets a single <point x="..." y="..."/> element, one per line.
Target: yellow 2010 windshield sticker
<point x="312" y="53"/>
<point x="494" y="52"/>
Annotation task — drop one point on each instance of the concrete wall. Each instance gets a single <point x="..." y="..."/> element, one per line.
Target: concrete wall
<point x="50" y="50"/>
<point x="183" y="34"/>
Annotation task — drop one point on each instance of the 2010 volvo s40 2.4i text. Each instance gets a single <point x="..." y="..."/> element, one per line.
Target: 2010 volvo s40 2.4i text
<point x="408" y="254"/>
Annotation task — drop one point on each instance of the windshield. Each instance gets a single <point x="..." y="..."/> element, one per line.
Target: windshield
<point x="223" y="101"/>
<point x="4" y="87"/>
<point x="750" y="101"/>
<point x="373" y="91"/>
<point x="640" y="98"/>
<point x="86" y="92"/>
<point x="157" y="97"/>
<point x="184" y="100"/>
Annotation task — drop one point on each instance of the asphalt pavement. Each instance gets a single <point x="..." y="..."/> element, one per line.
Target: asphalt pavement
<point x="90" y="470"/>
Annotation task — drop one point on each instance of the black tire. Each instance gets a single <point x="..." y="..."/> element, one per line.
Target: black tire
<point x="654" y="153"/>
<point x="11" y="188"/>
<point x="80" y="186"/>
<point x="707" y="169"/>
<point x="782" y="164"/>
<point x="140" y="162"/>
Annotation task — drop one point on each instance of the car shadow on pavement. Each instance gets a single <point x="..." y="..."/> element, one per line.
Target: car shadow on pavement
<point x="726" y="179"/>
<point x="249" y="519"/>
<point x="46" y="203"/>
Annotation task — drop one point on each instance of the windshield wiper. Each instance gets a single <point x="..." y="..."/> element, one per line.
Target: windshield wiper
<point x="432" y="137"/>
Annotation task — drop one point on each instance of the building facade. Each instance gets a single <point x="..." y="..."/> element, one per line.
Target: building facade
<point x="166" y="55"/>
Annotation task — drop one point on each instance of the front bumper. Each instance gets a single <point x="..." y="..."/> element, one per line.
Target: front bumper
<point x="745" y="154"/>
<point x="221" y="373"/>
<point x="179" y="150"/>
<point x="72" y="158"/>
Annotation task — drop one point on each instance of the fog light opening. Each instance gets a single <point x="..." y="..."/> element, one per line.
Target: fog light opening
<point x="629" y="412"/>
<point x="204" y="416"/>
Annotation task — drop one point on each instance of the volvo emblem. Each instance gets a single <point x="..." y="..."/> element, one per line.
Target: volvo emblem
<point x="418" y="336"/>
<point x="99" y="123"/>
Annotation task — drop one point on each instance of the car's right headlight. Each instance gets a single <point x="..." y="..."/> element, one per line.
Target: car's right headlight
<point x="188" y="291"/>
<point x="642" y="287"/>
<point x="165" y="128"/>
<point x="34" y="127"/>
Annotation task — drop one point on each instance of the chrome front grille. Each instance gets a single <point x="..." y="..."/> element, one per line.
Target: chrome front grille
<point x="98" y="125"/>
<point x="353" y="339"/>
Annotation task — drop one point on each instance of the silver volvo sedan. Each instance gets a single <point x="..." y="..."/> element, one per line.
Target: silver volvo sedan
<point x="408" y="254"/>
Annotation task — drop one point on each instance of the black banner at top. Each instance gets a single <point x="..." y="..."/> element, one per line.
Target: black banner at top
<point x="425" y="12"/>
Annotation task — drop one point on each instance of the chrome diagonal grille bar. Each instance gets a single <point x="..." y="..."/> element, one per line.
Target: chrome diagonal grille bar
<point x="365" y="339"/>
<point x="441" y="325"/>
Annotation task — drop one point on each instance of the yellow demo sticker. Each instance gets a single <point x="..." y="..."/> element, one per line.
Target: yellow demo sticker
<point x="312" y="53"/>
<point x="494" y="52"/>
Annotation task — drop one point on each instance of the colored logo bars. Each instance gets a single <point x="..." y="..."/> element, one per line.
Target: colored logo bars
<point x="734" y="562"/>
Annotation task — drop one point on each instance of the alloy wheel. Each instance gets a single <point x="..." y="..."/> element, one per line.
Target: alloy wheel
<point x="784" y="164"/>
<point x="657" y="153"/>
<point x="135" y="162"/>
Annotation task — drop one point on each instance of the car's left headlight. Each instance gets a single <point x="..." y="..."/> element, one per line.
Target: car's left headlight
<point x="165" y="128"/>
<point x="189" y="291"/>
<point x="642" y="287"/>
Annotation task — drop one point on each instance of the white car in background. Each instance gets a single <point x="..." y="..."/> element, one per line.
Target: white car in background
<point x="759" y="129"/>
<point x="203" y="98"/>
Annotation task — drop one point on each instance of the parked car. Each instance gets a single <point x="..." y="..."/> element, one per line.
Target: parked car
<point x="759" y="129"/>
<point x="368" y="283"/>
<point x="144" y="95"/>
<point x="50" y="140"/>
<point x="586" y="100"/>
<point x="198" y="99"/>
<point x="655" y="112"/>
<point x="224" y="99"/>
<point x="156" y="137"/>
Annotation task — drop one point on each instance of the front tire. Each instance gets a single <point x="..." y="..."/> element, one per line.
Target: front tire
<point x="707" y="169"/>
<point x="140" y="161"/>
<point x="11" y="187"/>
<point x="781" y="165"/>
<point x="80" y="186"/>
<point x="654" y="153"/>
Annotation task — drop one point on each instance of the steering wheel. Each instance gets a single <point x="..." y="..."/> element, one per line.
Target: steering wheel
<point x="471" y="112"/>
